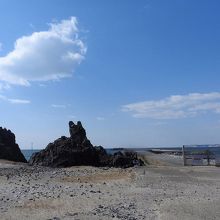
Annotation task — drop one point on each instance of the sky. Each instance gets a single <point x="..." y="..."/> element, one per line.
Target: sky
<point x="136" y="73"/>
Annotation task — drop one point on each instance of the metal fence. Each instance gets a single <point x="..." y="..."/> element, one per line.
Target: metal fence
<point x="201" y="155"/>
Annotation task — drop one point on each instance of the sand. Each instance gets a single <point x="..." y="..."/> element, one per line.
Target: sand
<point x="161" y="190"/>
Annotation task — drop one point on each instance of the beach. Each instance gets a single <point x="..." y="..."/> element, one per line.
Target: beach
<point x="164" y="190"/>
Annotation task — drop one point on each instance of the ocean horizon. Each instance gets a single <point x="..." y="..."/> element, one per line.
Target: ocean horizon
<point x="28" y="152"/>
<point x="216" y="150"/>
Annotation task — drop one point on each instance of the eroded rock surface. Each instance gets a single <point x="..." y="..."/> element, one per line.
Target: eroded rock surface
<point x="9" y="150"/>
<point x="77" y="150"/>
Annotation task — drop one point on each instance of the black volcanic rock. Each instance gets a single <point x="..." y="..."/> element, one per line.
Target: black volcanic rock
<point x="77" y="150"/>
<point x="9" y="150"/>
<point x="126" y="159"/>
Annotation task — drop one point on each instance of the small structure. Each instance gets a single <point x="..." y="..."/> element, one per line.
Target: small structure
<point x="201" y="155"/>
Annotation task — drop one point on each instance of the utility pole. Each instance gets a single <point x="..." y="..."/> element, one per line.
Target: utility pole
<point x="32" y="148"/>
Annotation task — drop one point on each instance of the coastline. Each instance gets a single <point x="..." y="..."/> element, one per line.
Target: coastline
<point x="157" y="191"/>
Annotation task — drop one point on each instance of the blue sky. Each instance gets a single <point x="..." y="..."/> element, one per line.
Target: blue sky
<point x="136" y="73"/>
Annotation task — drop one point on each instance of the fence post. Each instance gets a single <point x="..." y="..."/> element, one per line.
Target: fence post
<point x="184" y="157"/>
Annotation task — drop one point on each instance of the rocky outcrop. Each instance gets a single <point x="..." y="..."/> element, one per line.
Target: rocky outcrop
<point x="77" y="150"/>
<point x="9" y="150"/>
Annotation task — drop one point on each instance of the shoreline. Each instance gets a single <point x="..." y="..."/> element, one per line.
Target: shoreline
<point x="157" y="191"/>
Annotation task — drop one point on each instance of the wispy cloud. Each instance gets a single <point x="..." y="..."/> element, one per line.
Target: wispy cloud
<point x="0" y="46"/>
<point x="100" y="118"/>
<point x="176" y="106"/>
<point x="42" y="85"/>
<point x="58" y="106"/>
<point x="31" y="26"/>
<point x="45" y="55"/>
<point x="19" y="101"/>
<point x="4" y="86"/>
<point x="3" y="97"/>
<point x="15" y="101"/>
<point x="72" y="116"/>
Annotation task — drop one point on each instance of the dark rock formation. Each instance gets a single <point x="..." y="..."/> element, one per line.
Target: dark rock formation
<point x="9" y="150"/>
<point x="128" y="159"/>
<point x="77" y="150"/>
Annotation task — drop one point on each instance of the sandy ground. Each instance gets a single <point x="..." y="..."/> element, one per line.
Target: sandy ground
<point x="163" y="190"/>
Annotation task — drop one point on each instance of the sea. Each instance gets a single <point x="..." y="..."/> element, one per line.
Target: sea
<point x="28" y="153"/>
<point x="215" y="149"/>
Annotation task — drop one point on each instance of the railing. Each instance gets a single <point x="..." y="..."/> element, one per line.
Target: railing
<point x="201" y="155"/>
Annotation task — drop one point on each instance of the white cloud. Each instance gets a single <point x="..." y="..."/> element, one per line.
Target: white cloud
<point x="72" y="116"/>
<point x="176" y="106"/>
<point x="14" y="101"/>
<point x="19" y="101"/>
<point x="32" y="26"/>
<point x="45" y="55"/>
<point x="3" y="97"/>
<point x="58" y="106"/>
<point x="4" y="86"/>
<point x="42" y="85"/>
<point x="0" y="46"/>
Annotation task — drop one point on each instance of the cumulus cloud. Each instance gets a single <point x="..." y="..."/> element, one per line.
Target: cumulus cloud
<point x="45" y="55"/>
<point x="14" y="101"/>
<point x="176" y="106"/>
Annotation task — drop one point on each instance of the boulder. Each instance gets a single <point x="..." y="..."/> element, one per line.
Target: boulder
<point x="77" y="150"/>
<point x="9" y="150"/>
<point x="126" y="159"/>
